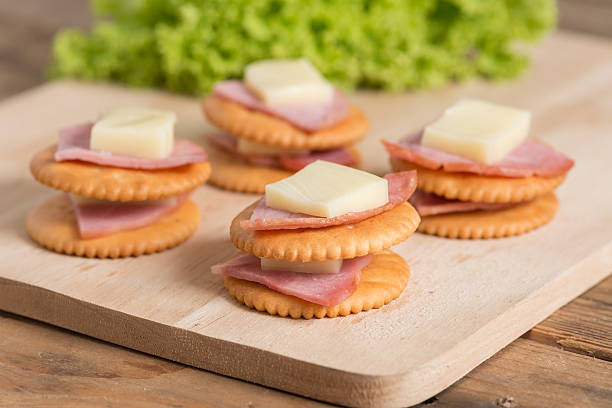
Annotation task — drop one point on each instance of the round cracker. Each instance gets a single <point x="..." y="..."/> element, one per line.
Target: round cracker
<point x="263" y="128"/>
<point x="382" y="281"/>
<point x="514" y="220"/>
<point x="318" y="244"/>
<point x="115" y="183"/>
<point x="473" y="187"/>
<point x="230" y="172"/>
<point x="53" y="225"/>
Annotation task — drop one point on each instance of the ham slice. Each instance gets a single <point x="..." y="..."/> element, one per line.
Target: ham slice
<point x="341" y="155"/>
<point x="229" y="143"/>
<point x="531" y="158"/>
<point x="262" y="160"/>
<point x="327" y="289"/>
<point x="224" y="140"/>
<point x="401" y="187"/>
<point x="99" y="219"/>
<point x="74" y="145"/>
<point x="308" y="117"/>
<point x="431" y="204"/>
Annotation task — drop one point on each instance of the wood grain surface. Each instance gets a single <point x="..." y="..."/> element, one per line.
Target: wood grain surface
<point x="169" y="305"/>
<point x="591" y="16"/>
<point x="42" y="365"/>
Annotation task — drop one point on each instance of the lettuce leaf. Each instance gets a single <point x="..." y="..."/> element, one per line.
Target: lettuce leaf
<point x="188" y="45"/>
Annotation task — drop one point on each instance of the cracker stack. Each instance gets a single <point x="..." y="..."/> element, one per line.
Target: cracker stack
<point x="382" y="280"/>
<point x="531" y="202"/>
<point x="242" y="115"/>
<point x="480" y="175"/>
<point x="53" y="223"/>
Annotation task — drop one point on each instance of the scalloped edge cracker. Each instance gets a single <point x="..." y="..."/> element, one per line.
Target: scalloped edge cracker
<point x="506" y="222"/>
<point x="115" y="183"/>
<point x="382" y="281"/>
<point x="472" y="187"/>
<point x="264" y="128"/>
<point x="337" y="242"/>
<point x="53" y="225"/>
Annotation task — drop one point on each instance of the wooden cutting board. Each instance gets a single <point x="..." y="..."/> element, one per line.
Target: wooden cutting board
<point x="465" y="301"/>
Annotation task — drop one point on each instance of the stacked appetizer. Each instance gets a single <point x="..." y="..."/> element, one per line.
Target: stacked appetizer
<point x="317" y="244"/>
<point x="127" y="184"/>
<point x="479" y="175"/>
<point x="281" y="117"/>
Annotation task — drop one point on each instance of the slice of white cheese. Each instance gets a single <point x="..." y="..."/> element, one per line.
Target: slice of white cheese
<point x="134" y="131"/>
<point x="329" y="266"/>
<point x="478" y="130"/>
<point x="327" y="189"/>
<point x="246" y="146"/>
<point x="286" y="82"/>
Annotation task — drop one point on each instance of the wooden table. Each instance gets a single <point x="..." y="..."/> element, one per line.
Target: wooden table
<point x="564" y="361"/>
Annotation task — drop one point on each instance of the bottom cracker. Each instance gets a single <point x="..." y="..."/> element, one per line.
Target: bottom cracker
<point x="235" y="174"/>
<point x="53" y="225"/>
<point x="506" y="222"/>
<point x="382" y="281"/>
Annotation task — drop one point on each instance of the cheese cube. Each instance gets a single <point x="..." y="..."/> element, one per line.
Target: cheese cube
<point x="286" y="82"/>
<point x="329" y="266"/>
<point x="246" y="146"/>
<point x="133" y="131"/>
<point x="478" y="130"/>
<point x="327" y="189"/>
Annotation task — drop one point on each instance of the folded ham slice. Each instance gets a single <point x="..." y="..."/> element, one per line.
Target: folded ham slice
<point x="401" y="186"/>
<point x="74" y="145"/>
<point x="327" y="289"/>
<point x="308" y="117"/>
<point x="341" y="155"/>
<point x="99" y="219"/>
<point x="229" y="143"/>
<point x="431" y="204"/>
<point x="531" y="158"/>
<point x="224" y="140"/>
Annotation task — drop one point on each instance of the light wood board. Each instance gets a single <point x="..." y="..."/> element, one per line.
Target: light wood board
<point x="465" y="301"/>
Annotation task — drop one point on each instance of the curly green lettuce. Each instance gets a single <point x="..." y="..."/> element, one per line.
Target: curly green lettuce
<point x="188" y="45"/>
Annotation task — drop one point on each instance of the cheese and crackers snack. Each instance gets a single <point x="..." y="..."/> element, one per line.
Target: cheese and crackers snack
<point x="316" y="245"/>
<point x="479" y="174"/>
<point x="281" y="117"/>
<point x="126" y="183"/>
